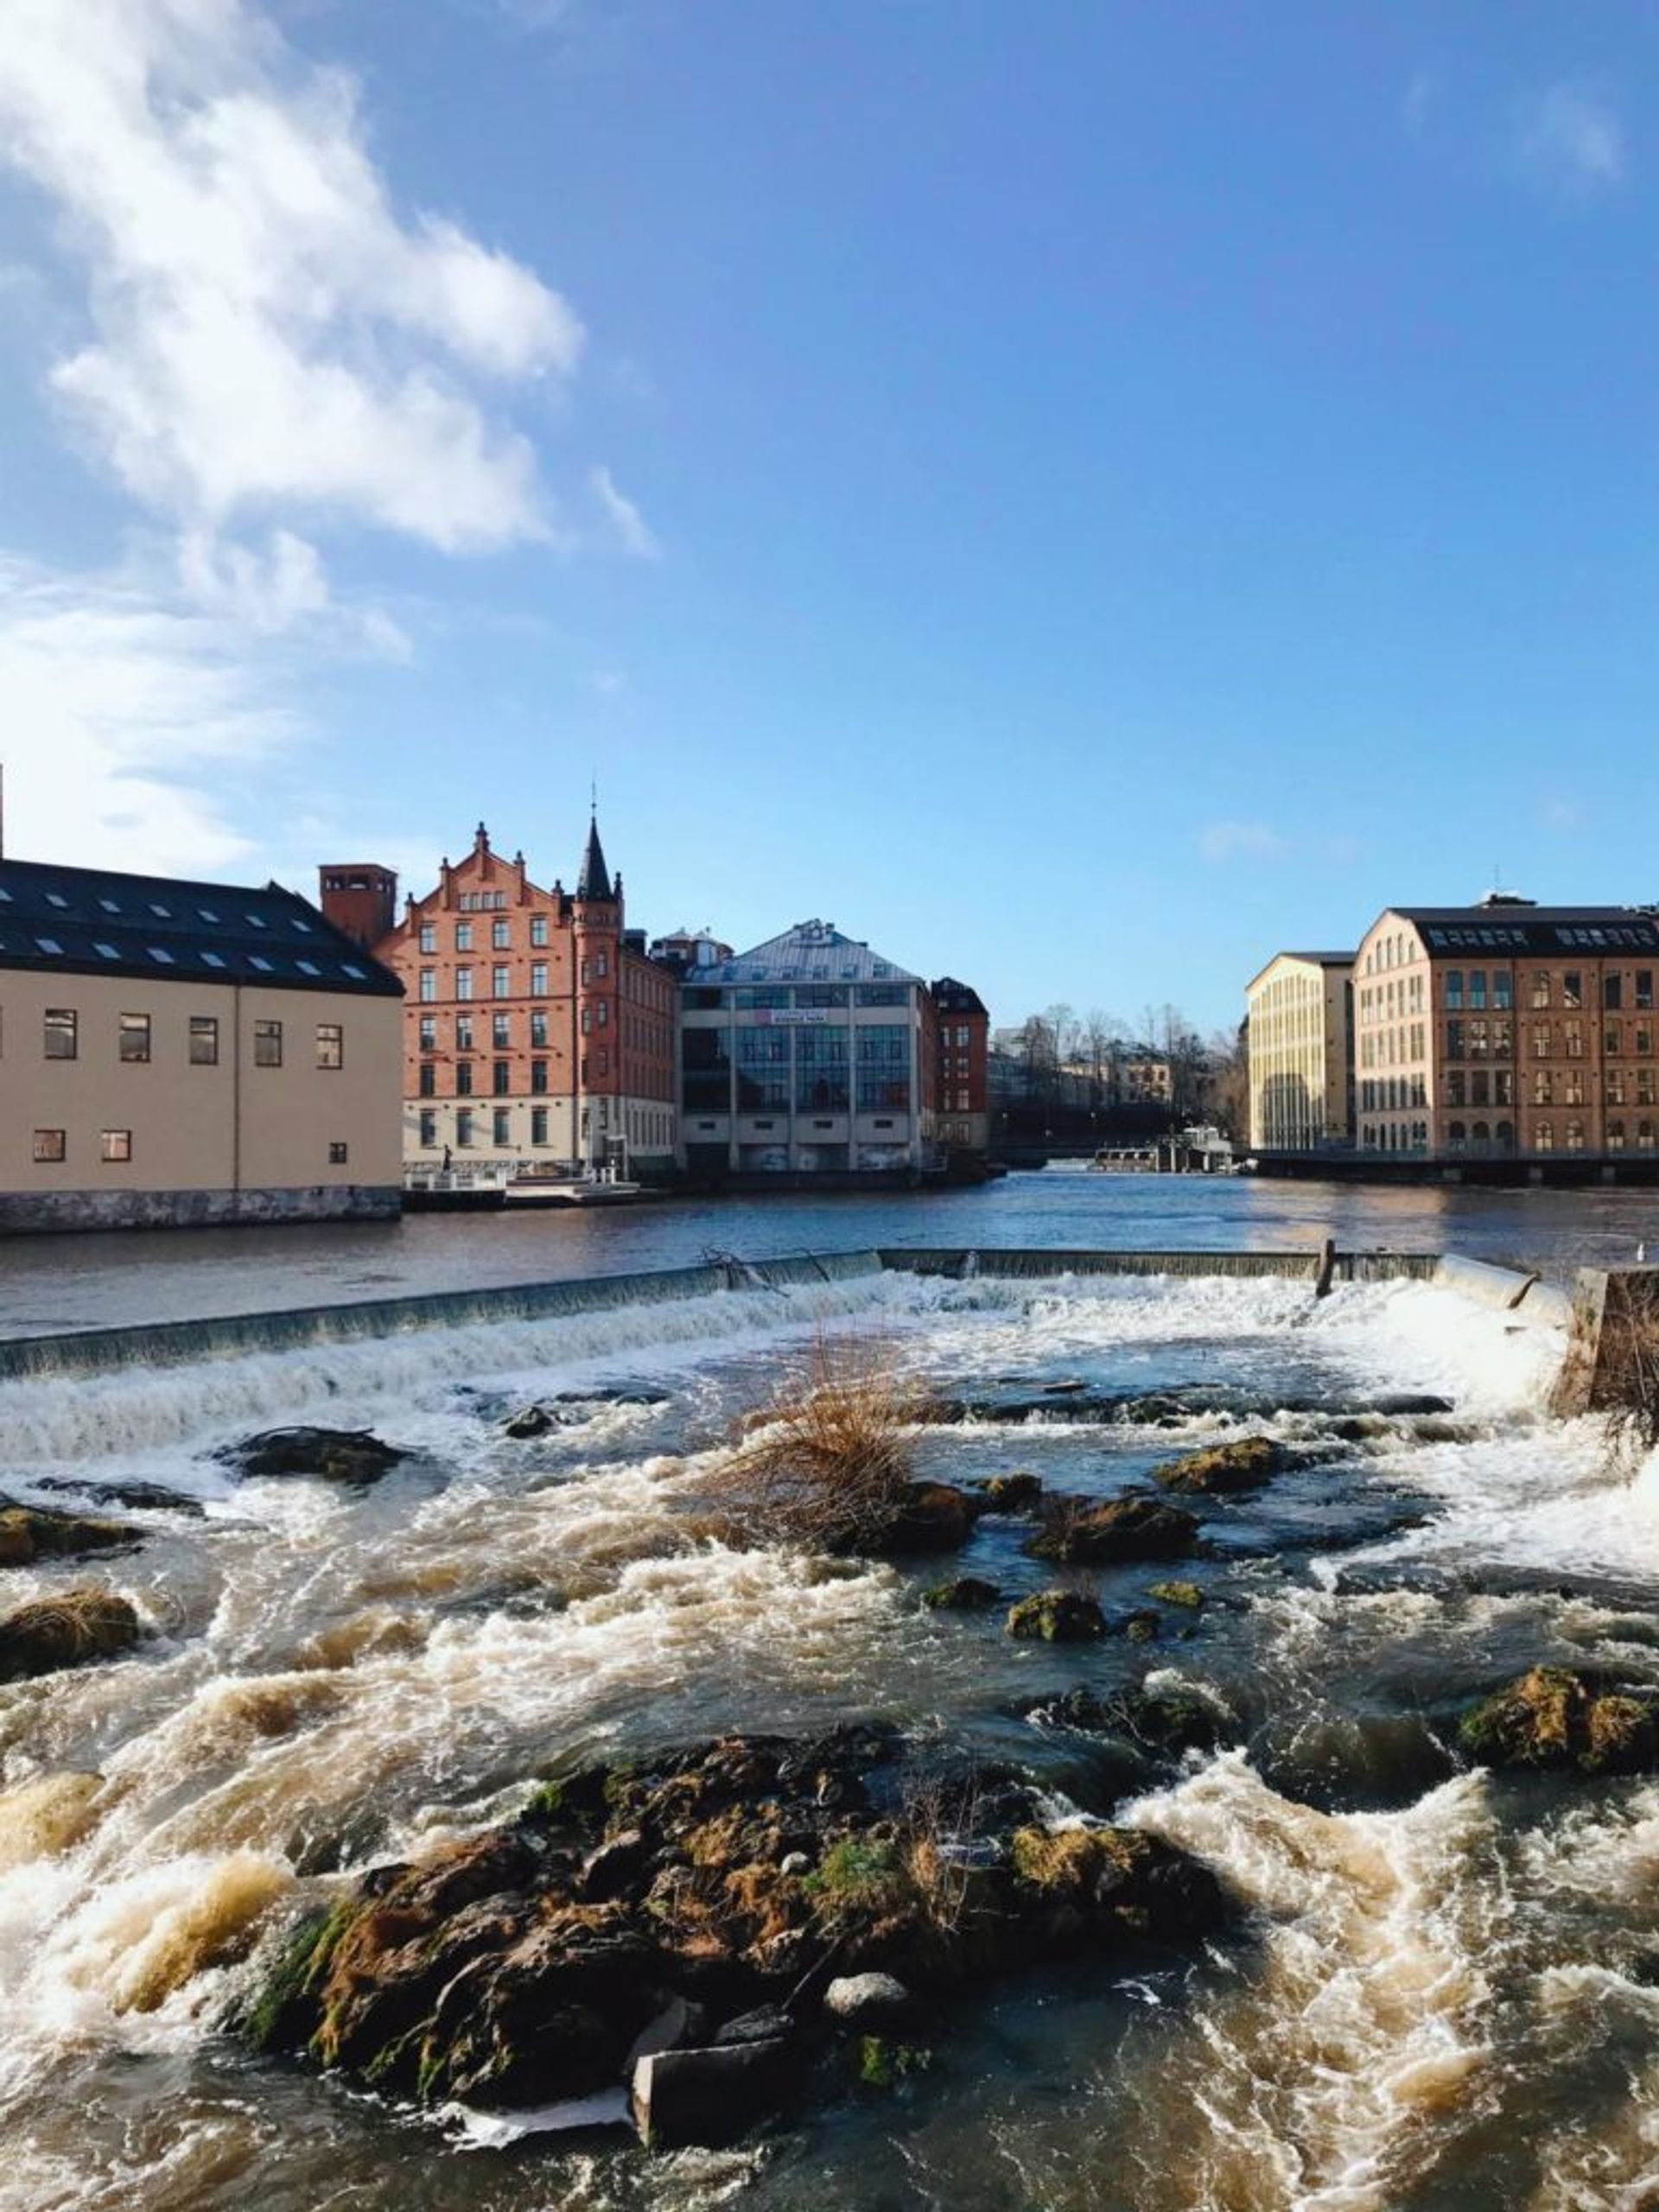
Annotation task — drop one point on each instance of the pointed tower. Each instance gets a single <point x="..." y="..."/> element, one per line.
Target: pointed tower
<point x="596" y="913"/>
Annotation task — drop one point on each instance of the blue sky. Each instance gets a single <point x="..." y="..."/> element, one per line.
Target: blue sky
<point x="1080" y="495"/>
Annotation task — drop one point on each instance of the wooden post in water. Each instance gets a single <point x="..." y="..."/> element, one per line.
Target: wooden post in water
<point x="1327" y="1267"/>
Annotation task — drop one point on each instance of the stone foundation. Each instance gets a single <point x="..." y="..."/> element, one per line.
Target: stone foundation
<point x="46" y="1212"/>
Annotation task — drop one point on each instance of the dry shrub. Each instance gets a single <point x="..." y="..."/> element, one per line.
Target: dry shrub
<point x="1626" y="1387"/>
<point x="827" y="1461"/>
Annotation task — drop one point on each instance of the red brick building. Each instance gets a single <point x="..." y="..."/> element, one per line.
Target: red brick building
<point x="958" y="1060"/>
<point x="537" y="1031"/>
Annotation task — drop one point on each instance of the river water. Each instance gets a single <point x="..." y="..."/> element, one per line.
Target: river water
<point x="1441" y="1994"/>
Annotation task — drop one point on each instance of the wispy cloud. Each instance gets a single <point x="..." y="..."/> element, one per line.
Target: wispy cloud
<point x="1568" y="140"/>
<point x="627" y="527"/>
<point x="1228" y="840"/>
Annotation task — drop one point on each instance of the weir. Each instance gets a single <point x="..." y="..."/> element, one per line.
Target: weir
<point x="175" y="1344"/>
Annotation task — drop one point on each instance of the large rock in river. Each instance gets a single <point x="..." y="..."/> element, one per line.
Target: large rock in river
<point x="338" y="1455"/>
<point x="745" y="1873"/>
<point x="1222" y="1470"/>
<point x="1556" y="1718"/>
<point x="1135" y="1527"/>
<point x="65" y="1631"/>
<point x="28" y="1532"/>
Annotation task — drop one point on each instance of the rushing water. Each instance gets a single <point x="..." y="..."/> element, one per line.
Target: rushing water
<point x="1441" y="1994"/>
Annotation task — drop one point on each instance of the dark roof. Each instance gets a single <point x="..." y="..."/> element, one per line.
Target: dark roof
<point x="960" y="998"/>
<point x="594" y="882"/>
<point x="92" y="921"/>
<point x="1320" y="959"/>
<point x="810" y="952"/>
<point x="1538" y="929"/>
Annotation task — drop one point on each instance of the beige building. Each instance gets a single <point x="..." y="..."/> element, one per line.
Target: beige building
<point x="174" y="1052"/>
<point x="1509" y="1030"/>
<point x="1301" y="1052"/>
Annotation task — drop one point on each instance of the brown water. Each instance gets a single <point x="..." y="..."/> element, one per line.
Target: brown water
<point x="1439" y="1992"/>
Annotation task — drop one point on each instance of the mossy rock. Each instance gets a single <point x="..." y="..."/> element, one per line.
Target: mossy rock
<point x="1122" y="1530"/>
<point x="932" y="1517"/>
<point x="1017" y="1493"/>
<point x="879" y="2062"/>
<point x="1222" y="1470"/>
<point x="1186" y="1594"/>
<point x="28" y="1532"/>
<point x="65" y="1631"/>
<point x="1143" y="1626"/>
<point x="270" y="2022"/>
<point x="968" y="1594"/>
<point x="1056" y="1616"/>
<point x="1555" y="1719"/>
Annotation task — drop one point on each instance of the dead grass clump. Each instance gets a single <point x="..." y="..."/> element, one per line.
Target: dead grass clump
<point x="1626" y="1383"/>
<point x="828" y="1461"/>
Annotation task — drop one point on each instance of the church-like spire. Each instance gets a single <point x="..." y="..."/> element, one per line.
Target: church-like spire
<point x="594" y="882"/>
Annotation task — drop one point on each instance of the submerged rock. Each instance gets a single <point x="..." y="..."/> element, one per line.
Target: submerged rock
<point x="1177" y="1593"/>
<point x="337" y="1455"/>
<point x="28" y="1532"/>
<point x="1222" y="1470"/>
<point x="1134" y="1526"/>
<point x="136" y="1496"/>
<point x="485" y="1972"/>
<point x="530" y="1421"/>
<point x="65" y="1631"/>
<point x="1166" y="1722"/>
<point x="968" y="1594"/>
<point x="1057" y="1617"/>
<point x="1556" y="1718"/>
<point x="932" y="1517"/>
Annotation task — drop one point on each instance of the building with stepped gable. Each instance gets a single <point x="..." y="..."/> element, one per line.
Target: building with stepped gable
<point x="539" y="1036"/>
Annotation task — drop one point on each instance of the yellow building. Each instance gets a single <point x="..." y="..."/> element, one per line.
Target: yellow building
<point x="176" y="1052"/>
<point x="1301" y="1052"/>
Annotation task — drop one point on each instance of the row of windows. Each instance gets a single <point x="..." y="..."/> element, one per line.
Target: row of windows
<point x="500" y="1032"/>
<point x="776" y="996"/>
<point x="115" y="1148"/>
<point x="500" y="935"/>
<point x="501" y="1078"/>
<point x="651" y="1127"/>
<point x="61" y="1040"/>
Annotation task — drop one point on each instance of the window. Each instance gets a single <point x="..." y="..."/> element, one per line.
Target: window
<point x="1540" y="989"/>
<point x="1454" y="987"/>
<point x="501" y="1128"/>
<point x="538" y="978"/>
<point x="1502" y="990"/>
<point x="463" y="982"/>
<point x="1644" y="1137"/>
<point x="538" y="929"/>
<point x="501" y="981"/>
<point x="1612" y="992"/>
<point x="463" y="936"/>
<point x="115" y="1146"/>
<point x="429" y="1127"/>
<point x="1612" y="1039"/>
<point x="204" y="1040"/>
<point x="501" y="1077"/>
<point x="1616" y="1136"/>
<point x="1576" y="1136"/>
<point x="604" y="1012"/>
<point x="463" y="1078"/>
<point x="1543" y="1137"/>
<point x="428" y="984"/>
<point x="135" y="1037"/>
<point x="463" y="1032"/>
<point x="428" y="1080"/>
<point x="331" y="1045"/>
<point x="463" y="1127"/>
<point x="538" y="1030"/>
<point x="500" y="935"/>
<point x="1454" y="1040"/>
<point x="538" y="1075"/>
<point x="1477" y="989"/>
<point x="267" y="1044"/>
<point x="538" y="1125"/>
<point x="1454" y="1090"/>
<point x="1543" y="1089"/>
<point x="337" y="1154"/>
<point x="1572" y="987"/>
<point x="1644" y="990"/>
<point x="61" y="1036"/>
<point x="1540" y="1040"/>
<point x="428" y="936"/>
<point x="1615" y="1086"/>
<point x="48" y="1146"/>
<point x="429" y="1032"/>
<point x="1572" y="1039"/>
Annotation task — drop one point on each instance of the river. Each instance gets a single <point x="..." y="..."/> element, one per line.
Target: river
<point x="1439" y="1993"/>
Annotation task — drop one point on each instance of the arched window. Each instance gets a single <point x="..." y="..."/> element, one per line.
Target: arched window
<point x="1543" y="1137"/>
<point x="1481" y="1132"/>
<point x="1614" y="1136"/>
<point x="1506" y="1132"/>
<point x="1576" y="1136"/>
<point x="1644" y="1137"/>
<point x="1456" y="1136"/>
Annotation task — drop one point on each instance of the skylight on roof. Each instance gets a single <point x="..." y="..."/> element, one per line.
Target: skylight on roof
<point x="110" y="906"/>
<point x="156" y="908"/>
<point x="160" y="954"/>
<point x="308" y="967"/>
<point x="104" y="951"/>
<point x="258" y="960"/>
<point x="304" y="928"/>
<point x="6" y="897"/>
<point x="350" y="968"/>
<point x="213" y="959"/>
<point x="56" y="898"/>
<point x="48" y="944"/>
<point x="207" y="913"/>
<point x="258" y="921"/>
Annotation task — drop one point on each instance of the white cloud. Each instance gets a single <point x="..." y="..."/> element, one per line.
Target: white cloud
<point x="1570" y="140"/>
<point x="129" y="725"/>
<point x="266" y="330"/>
<point x="1226" y="841"/>
<point x="628" y="527"/>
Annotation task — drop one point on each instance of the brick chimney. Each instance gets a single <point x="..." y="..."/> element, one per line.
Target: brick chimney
<point x="361" y="898"/>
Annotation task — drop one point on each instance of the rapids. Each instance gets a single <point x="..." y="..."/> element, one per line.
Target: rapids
<point x="1440" y="1993"/>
